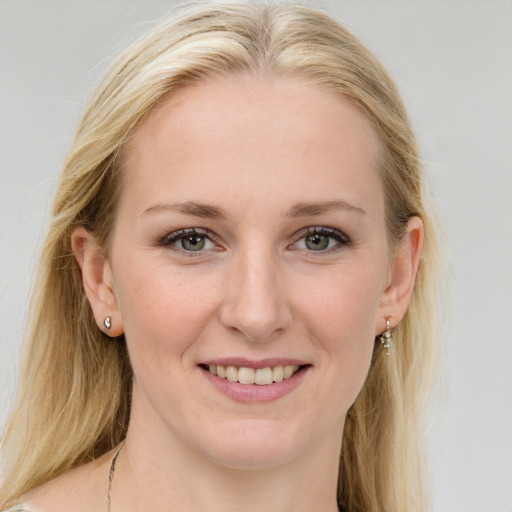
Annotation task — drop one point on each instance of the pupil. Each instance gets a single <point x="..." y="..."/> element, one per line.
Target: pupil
<point x="193" y="243"/>
<point x="317" y="242"/>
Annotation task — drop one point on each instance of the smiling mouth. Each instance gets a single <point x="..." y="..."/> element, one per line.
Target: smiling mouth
<point x="258" y="376"/>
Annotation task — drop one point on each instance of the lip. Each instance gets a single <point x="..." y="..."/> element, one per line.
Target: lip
<point x="255" y="393"/>
<point x="253" y="363"/>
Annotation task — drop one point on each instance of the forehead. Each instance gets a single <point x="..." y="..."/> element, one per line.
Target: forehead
<point x="254" y="136"/>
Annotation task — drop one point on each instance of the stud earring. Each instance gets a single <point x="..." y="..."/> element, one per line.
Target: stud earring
<point x="107" y="323"/>
<point x="385" y="337"/>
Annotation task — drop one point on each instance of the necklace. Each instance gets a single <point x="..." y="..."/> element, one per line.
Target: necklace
<point x="111" y="474"/>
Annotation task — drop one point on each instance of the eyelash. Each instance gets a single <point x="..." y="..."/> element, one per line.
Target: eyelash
<point x="172" y="238"/>
<point x="181" y="234"/>
<point x="341" y="238"/>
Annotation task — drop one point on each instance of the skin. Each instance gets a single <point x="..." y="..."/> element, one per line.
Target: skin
<point x="258" y="149"/>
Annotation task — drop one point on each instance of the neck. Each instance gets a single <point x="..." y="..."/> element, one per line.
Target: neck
<point x="160" y="473"/>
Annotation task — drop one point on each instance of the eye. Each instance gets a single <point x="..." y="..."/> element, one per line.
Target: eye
<point x="193" y="242"/>
<point x="317" y="242"/>
<point x="189" y="240"/>
<point x="321" y="239"/>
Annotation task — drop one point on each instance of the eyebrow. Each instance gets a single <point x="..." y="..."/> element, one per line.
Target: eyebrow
<point x="203" y="210"/>
<point x="207" y="211"/>
<point x="319" y="208"/>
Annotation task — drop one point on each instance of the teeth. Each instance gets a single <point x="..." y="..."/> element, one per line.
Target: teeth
<point x="277" y="374"/>
<point x="259" y="376"/>
<point x="246" y="375"/>
<point x="287" y="372"/>
<point x="263" y="376"/>
<point x="232" y="373"/>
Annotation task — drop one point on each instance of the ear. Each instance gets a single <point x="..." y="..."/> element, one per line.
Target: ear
<point x="404" y="267"/>
<point x="97" y="280"/>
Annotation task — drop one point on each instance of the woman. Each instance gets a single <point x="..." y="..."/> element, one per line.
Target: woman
<point x="235" y="302"/>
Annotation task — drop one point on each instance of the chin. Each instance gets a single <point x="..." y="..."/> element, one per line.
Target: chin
<point x="254" y="444"/>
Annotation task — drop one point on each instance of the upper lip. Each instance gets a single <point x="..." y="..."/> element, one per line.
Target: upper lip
<point x="240" y="362"/>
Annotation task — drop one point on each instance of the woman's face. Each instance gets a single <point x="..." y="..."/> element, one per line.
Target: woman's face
<point x="250" y="234"/>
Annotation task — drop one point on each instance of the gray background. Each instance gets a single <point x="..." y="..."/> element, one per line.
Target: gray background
<point x="453" y="61"/>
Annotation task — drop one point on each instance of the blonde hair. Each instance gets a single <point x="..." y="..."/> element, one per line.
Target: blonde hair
<point x="73" y="397"/>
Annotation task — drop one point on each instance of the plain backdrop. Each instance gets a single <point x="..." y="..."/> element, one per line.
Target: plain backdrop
<point x="453" y="61"/>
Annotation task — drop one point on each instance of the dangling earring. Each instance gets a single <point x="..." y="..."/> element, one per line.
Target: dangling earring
<point x="107" y="323"/>
<point x="385" y="337"/>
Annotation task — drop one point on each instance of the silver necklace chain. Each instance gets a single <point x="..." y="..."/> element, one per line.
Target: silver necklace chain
<point x="111" y="474"/>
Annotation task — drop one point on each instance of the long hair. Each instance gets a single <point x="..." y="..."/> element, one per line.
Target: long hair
<point x="74" y="389"/>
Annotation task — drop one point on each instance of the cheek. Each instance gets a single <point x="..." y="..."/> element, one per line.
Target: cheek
<point x="344" y="303"/>
<point x="163" y="311"/>
<point x="341" y="316"/>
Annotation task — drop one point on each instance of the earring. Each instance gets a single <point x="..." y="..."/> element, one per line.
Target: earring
<point x="385" y="337"/>
<point x="107" y="323"/>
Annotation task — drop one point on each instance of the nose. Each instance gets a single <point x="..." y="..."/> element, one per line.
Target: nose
<point x="255" y="303"/>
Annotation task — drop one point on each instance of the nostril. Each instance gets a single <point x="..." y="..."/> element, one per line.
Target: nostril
<point x="256" y="324"/>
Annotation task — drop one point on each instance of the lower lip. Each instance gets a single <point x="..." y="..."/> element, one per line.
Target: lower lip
<point x="251" y="393"/>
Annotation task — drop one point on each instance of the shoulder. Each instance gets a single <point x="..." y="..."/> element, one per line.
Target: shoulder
<point x="83" y="489"/>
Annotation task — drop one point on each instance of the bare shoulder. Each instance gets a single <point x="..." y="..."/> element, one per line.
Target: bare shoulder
<point x="83" y="489"/>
